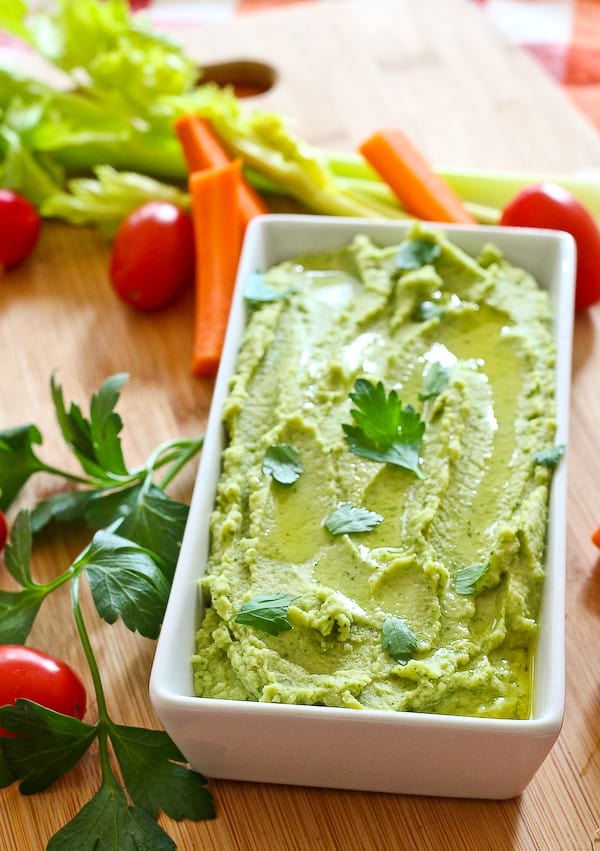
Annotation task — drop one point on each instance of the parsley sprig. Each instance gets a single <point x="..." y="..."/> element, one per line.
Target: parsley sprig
<point x="398" y="640"/>
<point x="128" y="566"/>
<point x="267" y="613"/>
<point x="348" y="518"/>
<point x="282" y="462"/>
<point x="384" y="430"/>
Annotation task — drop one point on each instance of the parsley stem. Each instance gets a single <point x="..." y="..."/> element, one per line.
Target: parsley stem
<point x="192" y="449"/>
<point x="180" y="451"/>
<point x="63" y="474"/>
<point x="87" y="647"/>
<point x="108" y="776"/>
<point x="63" y="577"/>
<point x="108" y="480"/>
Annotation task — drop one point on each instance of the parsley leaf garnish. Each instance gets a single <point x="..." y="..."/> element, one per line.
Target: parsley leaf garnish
<point x="7" y="778"/>
<point x="64" y="507"/>
<point x="18" y="609"/>
<point x="282" y="462"/>
<point x="549" y="457"/>
<point x="156" y="522"/>
<point x="18" y="461"/>
<point x="155" y="775"/>
<point x="384" y="430"/>
<point x="267" y="613"/>
<point x="108" y="822"/>
<point x="435" y="381"/>
<point x="398" y="640"/>
<point x="48" y="745"/>
<point x="427" y="310"/>
<point x="94" y="441"/>
<point x="125" y="580"/>
<point x="415" y="253"/>
<point x="347" y="518"/>
<point x="468" y="578"/>
<point x="256" y="291"/>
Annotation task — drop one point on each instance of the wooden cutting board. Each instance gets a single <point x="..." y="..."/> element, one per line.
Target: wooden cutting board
<point x="343" y="69"/>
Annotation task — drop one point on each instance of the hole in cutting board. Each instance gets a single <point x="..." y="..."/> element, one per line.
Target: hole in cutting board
<point x="247" y="76"/>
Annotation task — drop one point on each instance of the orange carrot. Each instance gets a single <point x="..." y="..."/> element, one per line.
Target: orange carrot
<point x="217" y="236"/>
<point x="596" y="537"/>
<point x="421" y="191"/>
<point x="202" y="148"/>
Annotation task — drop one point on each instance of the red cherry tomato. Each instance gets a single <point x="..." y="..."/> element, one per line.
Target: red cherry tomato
<point x="19" y="228"/>
<point x="547" y="205"/>
<point x="32" y="674"/>
<point x="153" y="255"/>
<point x="3" y="530"/>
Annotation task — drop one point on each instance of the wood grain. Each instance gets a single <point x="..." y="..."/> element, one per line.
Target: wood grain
<point x="344" y="68"/>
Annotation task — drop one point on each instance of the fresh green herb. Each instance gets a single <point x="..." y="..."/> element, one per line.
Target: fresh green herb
<point x="128" y="566"/>
<point x="257" y="291"/>
<point x="95" y="443"/>
<point x="268" y="613"/>
<point x="347" y="518"/>
<point x="18" y="609"/>
<point x="549" y="457"/>
<point x="384" y="430"/>
<point x="468" y="578"/>
<point x="49" y="745"/>
<point x="17" y="460"/>
<point x="398" y="640"/>
<point x="414" y="253"/>
<point x="427" y="310"/>
<point x="435" y="381"/>
<point x="282" y="462"/>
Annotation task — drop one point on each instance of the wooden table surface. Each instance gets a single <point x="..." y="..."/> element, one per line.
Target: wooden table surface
<point x="468" y="99"/>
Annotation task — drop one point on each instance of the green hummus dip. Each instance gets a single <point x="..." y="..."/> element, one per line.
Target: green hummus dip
<point x="431" y="606"/>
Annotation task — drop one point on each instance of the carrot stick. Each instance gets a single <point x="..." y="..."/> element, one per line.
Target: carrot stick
<point x="202" y="148"/>
<point x="596" y="537"/>
<point x="217" y="237"/>
<point x="421" y="191"/>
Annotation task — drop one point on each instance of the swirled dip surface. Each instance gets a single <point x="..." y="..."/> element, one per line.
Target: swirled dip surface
<point x="481" y="498"/>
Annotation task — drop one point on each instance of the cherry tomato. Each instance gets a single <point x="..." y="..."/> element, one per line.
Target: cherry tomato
<point x="547" y="205"/>
<point x="19" y="228"/>
<point x="153" y="255"/>
<point x="3" y="530"/>
<point x="32" y="674"/>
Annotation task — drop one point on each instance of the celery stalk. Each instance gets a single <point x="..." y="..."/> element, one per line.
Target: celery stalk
<point x="483" y="191"/>
<point x="498" y="188"/>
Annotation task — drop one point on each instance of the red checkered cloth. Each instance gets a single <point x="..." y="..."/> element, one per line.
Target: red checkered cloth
<point x="563" y="35"/>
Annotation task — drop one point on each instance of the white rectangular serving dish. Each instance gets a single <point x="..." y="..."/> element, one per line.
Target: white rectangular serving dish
<point x="382" y="751"/>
